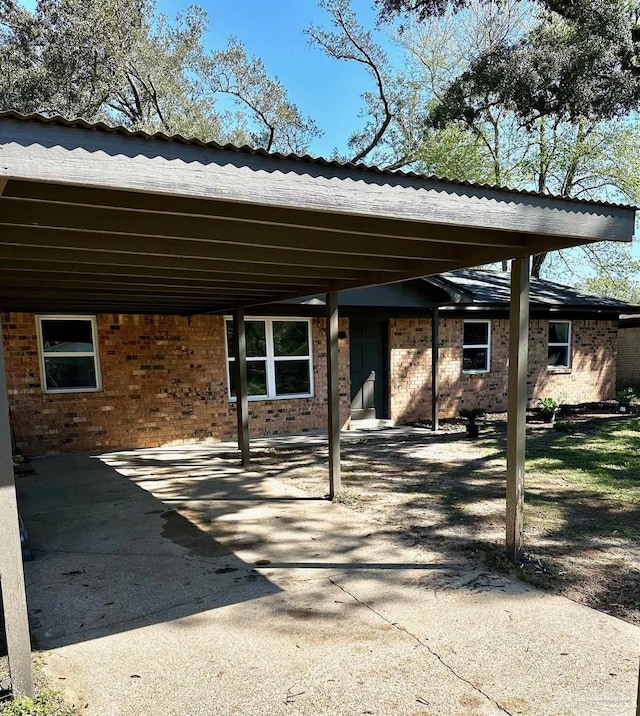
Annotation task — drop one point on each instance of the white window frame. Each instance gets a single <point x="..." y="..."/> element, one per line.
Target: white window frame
<point x="270" y="358"/>
<point x="563" y="344"/>
<point x="64" y="354"/>
<point x="486" y="345"/>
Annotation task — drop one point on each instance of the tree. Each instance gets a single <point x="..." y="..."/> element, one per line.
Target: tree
<point x="350" y="41"/>
<point x="585" y="158"/>
<point x="582" y="59"/>
<point x="625" y="288"/>
<point x="130" y="65"/>
<point x="40" y="73"/>
<point x="155" y="88"/>
<point x="275" y="123"/>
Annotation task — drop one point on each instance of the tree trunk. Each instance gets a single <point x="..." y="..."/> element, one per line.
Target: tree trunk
<point x="536" y="264"/>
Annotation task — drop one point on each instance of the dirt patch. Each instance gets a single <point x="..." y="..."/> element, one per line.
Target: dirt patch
<point x="582" y="514"/>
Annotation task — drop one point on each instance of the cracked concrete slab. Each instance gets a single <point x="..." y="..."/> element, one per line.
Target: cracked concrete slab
<point x="171" y="582"/>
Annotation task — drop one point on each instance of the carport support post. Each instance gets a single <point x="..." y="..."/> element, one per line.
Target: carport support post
<point x="435" y="360"/>
<point x="333" y="394"/>
<point x="14" y="599"/>
<point x="517" y="405"/>
<point x="242" y="400"/>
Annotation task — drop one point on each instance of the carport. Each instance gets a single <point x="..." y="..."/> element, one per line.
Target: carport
<point x="102" y="220"/>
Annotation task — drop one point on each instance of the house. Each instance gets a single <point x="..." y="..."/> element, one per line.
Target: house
<point x="132" y="249"/>
<point x="86" y="382"/>
<point x="573" y="340"/>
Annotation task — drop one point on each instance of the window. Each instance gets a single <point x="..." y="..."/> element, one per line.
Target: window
<point x="559" y="344"/>
<point x="68" y="354"/>
<point x="476" y="346"/>
<point x="278" y="358"/>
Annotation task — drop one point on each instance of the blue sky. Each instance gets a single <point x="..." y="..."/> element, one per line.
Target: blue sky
<point x="324" y="89"/>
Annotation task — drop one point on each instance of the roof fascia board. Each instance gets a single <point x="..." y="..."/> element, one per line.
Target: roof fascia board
<point x="52" y="153"/>
<point x="536" y="310"/>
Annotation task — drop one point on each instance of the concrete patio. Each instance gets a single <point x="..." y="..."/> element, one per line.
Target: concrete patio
<point x="169" y="581"/>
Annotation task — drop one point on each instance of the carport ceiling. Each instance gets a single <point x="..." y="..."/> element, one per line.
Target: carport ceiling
<point x="97" y="220"/>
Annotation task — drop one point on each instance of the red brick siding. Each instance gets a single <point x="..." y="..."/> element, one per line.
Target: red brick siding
<point x="164" y="382"/>
<point x="409" y="369"/>
<point x="591" y="377"/>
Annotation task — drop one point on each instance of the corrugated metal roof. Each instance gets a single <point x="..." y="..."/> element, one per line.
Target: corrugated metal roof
<point x="303" y="158"/>
<point x="493" y="288"/>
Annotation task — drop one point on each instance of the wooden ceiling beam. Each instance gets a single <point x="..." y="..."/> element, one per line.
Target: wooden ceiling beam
<point x="94" y="282"/>
<point x="44" y="237"/>
<point x="90" y="260"/>
<point x="159" y="226"/>
<point x="228" y="214"/>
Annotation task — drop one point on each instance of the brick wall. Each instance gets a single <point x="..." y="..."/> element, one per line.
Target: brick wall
<point x="164" y="382"/>
<point x="628" y="365"/>
<point x="591" y="377"/>
<point x="410" y="369"/>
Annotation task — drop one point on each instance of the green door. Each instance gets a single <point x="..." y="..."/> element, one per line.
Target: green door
<point x="369" y="371"/>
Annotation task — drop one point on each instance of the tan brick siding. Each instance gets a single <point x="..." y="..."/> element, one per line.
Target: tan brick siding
<point x="591" y="377"/>
<point x="164" y="382"/>
<point x="628" y="365"/>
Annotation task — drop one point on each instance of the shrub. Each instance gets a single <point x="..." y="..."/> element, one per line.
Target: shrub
<point x="549" y="408"/>
<point x="564" y="426"/>
<point x="625" y="396"/>
<point x="46" y="703"/>
<point x="548" y="404"/>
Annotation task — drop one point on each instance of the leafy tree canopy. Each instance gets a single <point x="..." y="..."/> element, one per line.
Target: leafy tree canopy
<point x="423" y="115"/>
<point x="122" y="62"/>
<point x="582" y="59"/>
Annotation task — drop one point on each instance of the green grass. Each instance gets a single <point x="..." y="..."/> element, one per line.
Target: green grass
<point x="605" y="461"/>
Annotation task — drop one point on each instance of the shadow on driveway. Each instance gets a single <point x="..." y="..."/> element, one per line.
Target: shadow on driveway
<point x="110" y="556"/>
<point x="125" y="540"/>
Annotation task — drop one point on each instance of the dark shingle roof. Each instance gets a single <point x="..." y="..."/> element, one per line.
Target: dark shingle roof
<point x="493" y="288"/>
<point x="304" y="158"/>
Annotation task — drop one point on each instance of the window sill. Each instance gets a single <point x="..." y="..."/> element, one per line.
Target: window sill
<point x="264" y="398"/>
<point x="67" y="391"/>
<point x="476" y="372"/>
<point x="558" y="369"/>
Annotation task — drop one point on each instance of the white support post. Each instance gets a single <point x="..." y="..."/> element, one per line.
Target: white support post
<point x="517" y="405"/>
<point x="333" y="394"/>
<point x="14" y="598"/>
<point x="242" y="398"/>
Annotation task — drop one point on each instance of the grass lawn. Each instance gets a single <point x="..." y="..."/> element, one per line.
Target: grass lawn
<point x="582" y="511"/>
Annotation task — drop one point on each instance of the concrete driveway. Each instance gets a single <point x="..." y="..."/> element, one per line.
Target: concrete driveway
<point x="170" y="582"/>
